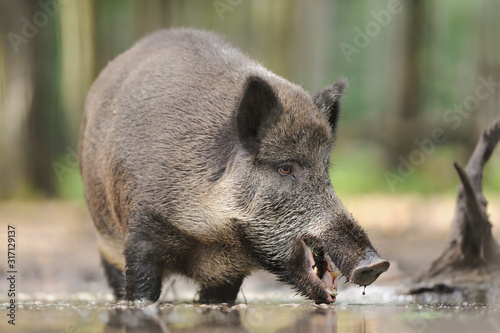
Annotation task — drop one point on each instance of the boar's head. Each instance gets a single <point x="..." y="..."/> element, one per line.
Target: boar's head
<point x="292" y="221"/>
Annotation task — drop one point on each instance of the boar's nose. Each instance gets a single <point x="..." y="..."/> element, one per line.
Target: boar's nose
<point x="367" y="272"/>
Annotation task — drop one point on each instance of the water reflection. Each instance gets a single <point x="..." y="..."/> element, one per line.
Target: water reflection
<point x="188" y="318"/>
<point x="174" y="319"/>
<point x="97" y="317"/>
<point x="317" y="320"/>
<point x="133" y="320"/>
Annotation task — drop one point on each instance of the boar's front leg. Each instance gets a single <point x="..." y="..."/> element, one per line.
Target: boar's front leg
<point x="115" y="277"/>
<point x="143" y="271"/>
<point x="225" y="293"/>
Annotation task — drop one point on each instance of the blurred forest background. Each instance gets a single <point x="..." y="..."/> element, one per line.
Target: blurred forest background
<point x="416" y="68"/>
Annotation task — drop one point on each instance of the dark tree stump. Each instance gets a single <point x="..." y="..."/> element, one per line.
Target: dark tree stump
<point x="472" y="255"/>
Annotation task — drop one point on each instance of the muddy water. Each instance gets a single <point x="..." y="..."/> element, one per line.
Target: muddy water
<point x="82" y="313"/>
<point x="57" y="258"/>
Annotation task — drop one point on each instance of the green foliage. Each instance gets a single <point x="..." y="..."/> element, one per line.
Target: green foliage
<point x="43" y="87"/>
<point x="359" y="169"/>
<point x="71" y="187"/>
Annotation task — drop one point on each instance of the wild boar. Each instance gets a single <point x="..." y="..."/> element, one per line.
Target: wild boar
<point x="196" y="160"/>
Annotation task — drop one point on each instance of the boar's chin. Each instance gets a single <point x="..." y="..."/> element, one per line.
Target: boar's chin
<point x="313" y="272"/>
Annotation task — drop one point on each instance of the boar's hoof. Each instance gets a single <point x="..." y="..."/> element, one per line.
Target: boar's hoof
<point x="225" y="293"/>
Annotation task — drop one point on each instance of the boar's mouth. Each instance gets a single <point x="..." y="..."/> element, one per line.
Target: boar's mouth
<point x="322" y="272"/>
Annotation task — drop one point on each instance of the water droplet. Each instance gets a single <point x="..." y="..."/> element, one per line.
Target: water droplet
<point x="364" y="288"/>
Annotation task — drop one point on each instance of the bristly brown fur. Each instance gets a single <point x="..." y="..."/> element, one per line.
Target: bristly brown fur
<point x="180" y="146"/>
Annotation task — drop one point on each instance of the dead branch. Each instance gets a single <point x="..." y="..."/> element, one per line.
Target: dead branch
<point x="471" y="244"/>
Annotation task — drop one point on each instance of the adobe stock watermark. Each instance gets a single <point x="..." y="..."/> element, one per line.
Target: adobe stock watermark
<point x="70" y="164"/>
<point x="363" y="38"/>
<point x="31" y="26"/>
<point x="253" y="317"/>
<point x="224" y="6"/>
<point x="453" y="116"/>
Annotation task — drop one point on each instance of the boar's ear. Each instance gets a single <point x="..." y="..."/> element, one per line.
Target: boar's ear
<point x="328" y="101"/>
<point x="257" y="111"/>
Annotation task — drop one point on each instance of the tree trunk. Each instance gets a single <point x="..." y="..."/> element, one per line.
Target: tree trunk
<point x="404" y="125"/>
<point x="16" y="92"/>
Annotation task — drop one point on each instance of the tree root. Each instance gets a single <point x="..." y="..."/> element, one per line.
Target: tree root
<point x="472" y="254"/>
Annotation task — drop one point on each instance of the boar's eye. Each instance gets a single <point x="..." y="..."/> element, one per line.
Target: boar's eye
<point x="285" y="170"/>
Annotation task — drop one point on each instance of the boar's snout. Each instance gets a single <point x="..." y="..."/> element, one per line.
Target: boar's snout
<point x="369" y="270"/>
